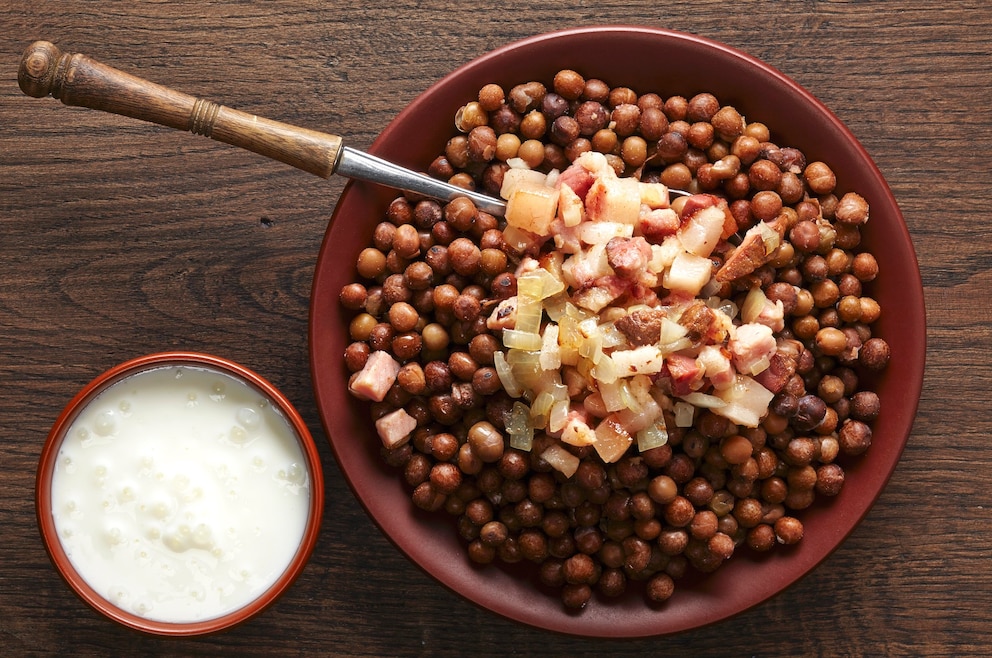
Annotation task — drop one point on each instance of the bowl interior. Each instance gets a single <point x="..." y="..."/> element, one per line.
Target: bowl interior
<point x="667" y="63"/>
<point x="46" y="471"/>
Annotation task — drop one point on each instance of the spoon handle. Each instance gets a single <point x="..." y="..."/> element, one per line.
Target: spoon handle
<point x="79" y="80"/>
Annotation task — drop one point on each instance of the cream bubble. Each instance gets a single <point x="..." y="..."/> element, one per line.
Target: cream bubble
<point x="105" y="424"/>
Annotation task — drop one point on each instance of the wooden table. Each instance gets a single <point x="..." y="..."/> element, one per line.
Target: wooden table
<point x="119" y="239"/>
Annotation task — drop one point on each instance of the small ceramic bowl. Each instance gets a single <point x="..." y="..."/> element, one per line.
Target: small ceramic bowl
<point x="179" y="494"/>
<point x="668" y="63"/>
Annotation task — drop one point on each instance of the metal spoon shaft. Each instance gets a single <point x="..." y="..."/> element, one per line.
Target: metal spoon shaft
<point x="363" y="166"/>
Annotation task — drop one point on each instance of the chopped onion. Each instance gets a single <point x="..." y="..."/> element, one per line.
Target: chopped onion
<point x="561" y="459"/>
<point x="550" y="351"/>
<point x="753" y="305"/>
<point x="558" y="416"/>
<point x="684" y="413"/>
<point x="505" y="374"/>
<point x="704" y="401"/>
<point x="519" y="427"/>
<point x="606" y="370"/>
<point x="521" y="340"/>
<point x="612" y="337"/>
<point x="652" y="436"/>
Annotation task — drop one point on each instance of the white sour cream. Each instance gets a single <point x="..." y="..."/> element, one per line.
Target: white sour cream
<point x="180" y="494"/>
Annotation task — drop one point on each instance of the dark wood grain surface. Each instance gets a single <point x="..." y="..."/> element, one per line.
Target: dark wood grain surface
<point x="119" y="239"/>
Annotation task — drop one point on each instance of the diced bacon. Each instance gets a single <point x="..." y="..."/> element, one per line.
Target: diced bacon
<point x="504" y="316"/>
<point x="642" y="360"/>
<point x="577" y="431"/>
<point x="716" y="366"/>
<point x="571" y="211"/>
<point x="698" y="202"/>
<point x="374" y="380"/>
<point x="655" y="224"/>
<point x="639" y="293"/>
<point x="394" y="428"/>
<point x="772" y="315"/>
<point x="700" y="322"/>
<point x="641" y="327"/>
<point x="702" y="230"/>
<point x="628" y="256"/>
<point x="752" y="347"/>
<point x="567" y="238"/>
<point x="752" y="252"/>
<point x="601" y="293"/>
<point x="684" y="373"/>
<point x="613" y="200"/>
<point x="688" y="273"/>
<point x="527" y="264"/>
<point x="582" y="269"/>
<point x="612" y="439"/>
<point x="578" y="179"/>
<point x="780" y="369"/>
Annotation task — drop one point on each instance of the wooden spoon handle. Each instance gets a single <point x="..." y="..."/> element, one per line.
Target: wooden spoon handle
<point x="79" y="80"/>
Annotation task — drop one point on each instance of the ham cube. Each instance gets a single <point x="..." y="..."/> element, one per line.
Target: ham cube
<point x="702" y="231"/>
<point x="688" y="274"/>
<point x="752" y="347"/>
<point x="614" y="200"/>
<point x="374" y="380"/>
<point x="612" y="440"/>
<point x="394" y="428"/>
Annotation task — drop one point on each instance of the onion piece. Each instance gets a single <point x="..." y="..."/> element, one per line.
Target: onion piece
<point x="506" y="377"/>
<point x="704" y="401"/>
<point x="550" y="351"/>
<point x="684" y="414"/>
<point x="519" y="427"/>
<point x="561" y="459"/>
<point x="558" y="416"/>
<point x="652" y="436"/>
<point x="521" y="340"/>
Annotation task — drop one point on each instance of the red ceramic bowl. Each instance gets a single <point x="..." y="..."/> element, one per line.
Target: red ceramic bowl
<point x="667" y="63"/>
<point x="137" y="372"/>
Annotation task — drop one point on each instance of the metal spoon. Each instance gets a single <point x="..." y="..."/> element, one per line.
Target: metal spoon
<point x="79" y="80"/>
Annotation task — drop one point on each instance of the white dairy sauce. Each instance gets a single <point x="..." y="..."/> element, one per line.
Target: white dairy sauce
<point x="180" y="494"/>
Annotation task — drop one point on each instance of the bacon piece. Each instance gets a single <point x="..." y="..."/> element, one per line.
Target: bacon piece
<point x="394" y="428"/>
<point x="656" y="224"/>
<point x="577" y="430"/>
<point x="752" y="252"/>
<point x="578" y="179"/>
<point x="642" y="327"/>
<point x="374" y="380"/>
<point x="683" y="371"/>
<point x="601" y="293"/>
<point x="780" y="369"/>
<point x="628" y="256"/>
<point x="698" y="202"/>
<point x="699" y="321"/>
<point x="716" y="365"/>
<point x="504" y="316"/>
<point x="752" y="347"/>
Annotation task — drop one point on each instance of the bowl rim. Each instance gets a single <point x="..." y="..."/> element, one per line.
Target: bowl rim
<point x="49" y="455"/>
<point x="911" y="378"/>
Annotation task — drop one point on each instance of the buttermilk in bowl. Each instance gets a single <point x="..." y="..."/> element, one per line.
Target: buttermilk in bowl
<point x="180" y="494"/>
